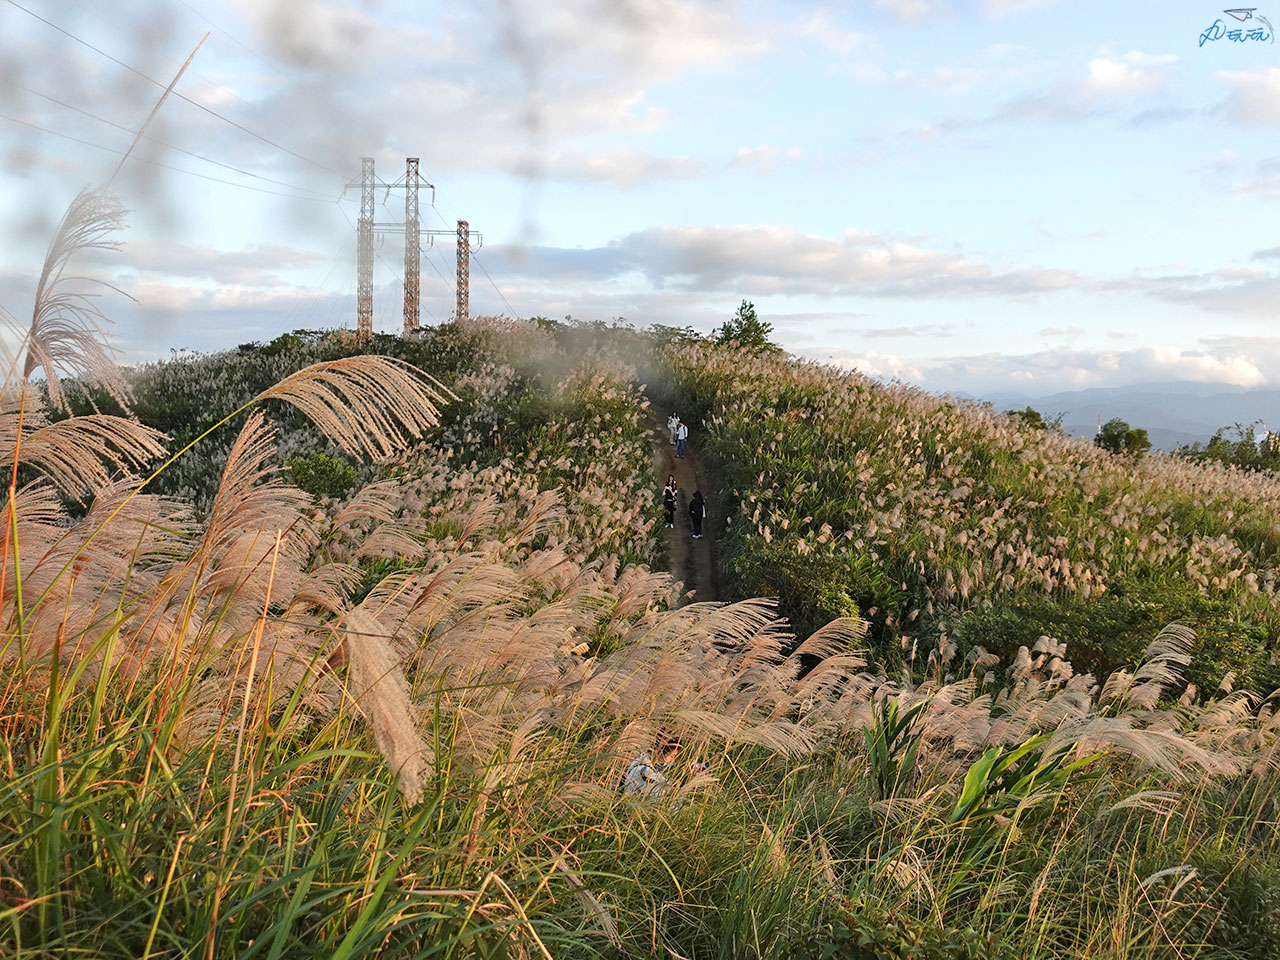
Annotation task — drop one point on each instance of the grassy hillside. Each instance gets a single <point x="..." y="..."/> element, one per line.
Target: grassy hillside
<point x="385" y="713"/>
<point x="948" y="522"/>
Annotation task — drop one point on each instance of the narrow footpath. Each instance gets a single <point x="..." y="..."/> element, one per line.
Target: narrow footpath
<point x="692" y="561"/>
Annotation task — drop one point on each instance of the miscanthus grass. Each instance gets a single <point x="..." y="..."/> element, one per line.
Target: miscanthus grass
<point x="392" y="723"/>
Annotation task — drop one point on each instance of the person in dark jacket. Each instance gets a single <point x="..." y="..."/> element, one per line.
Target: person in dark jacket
<point x="669" y="502"/>
<point x="697" y="510"/>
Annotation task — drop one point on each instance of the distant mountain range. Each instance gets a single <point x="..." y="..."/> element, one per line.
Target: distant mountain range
<point x="1172" y="413"/>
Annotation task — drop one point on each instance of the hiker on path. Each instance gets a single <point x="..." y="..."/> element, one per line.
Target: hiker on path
<point x="669" y="502"/>
<point x="672" y="422"/>
<point x="697" y="510"/>
<point x="682" y="434"/>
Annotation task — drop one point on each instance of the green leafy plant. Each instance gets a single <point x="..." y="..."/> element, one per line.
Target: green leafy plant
<point x="893" y="741"/>
<point x="1001" y="785"/>
<point x="1116" y="436"/>
<point x="745" y="329"/>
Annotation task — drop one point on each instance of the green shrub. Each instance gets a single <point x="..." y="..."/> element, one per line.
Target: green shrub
<point x="322" y="475"/>
<point x="811" y="590"/>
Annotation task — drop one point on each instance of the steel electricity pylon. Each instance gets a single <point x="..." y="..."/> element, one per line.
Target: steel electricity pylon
<point x="412" y="254"/>
<point x="411" y="228"/>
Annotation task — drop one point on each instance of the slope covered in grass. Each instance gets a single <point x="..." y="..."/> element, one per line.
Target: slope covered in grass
<point x="387" y="716"/>
<point x="940" y="518"/>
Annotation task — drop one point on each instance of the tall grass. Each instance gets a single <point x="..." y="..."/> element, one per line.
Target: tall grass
<point x="391" y="724"/>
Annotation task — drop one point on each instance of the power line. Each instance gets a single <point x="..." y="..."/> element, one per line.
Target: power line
<point x="447" y="282"/>
<point x="213" y="113"/>
<point x="276" y="67"/>
<point x="494" y="285"/>
<point x="156" y="163"/>
<point x="194" y="103"/>
<point x="170" y="146"/>
<point x="316" y="289"/>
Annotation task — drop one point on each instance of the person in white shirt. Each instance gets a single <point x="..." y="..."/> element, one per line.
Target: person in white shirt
<point x="672" y="422"/>
<point x="682" y="434"/>
<point x="645" y="778"/>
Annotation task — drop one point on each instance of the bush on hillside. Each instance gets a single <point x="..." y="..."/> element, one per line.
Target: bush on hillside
<point x="322" y="475"/>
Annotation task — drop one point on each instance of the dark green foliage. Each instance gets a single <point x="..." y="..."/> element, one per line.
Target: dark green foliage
<point x="663" y="334"/>
<point x="1116" y="436"/>
<point x="745" y="329"/>
<point x="1249" y="893"/>
<point x="860" y="934"/>
<point x="811" y="590"/>
<point x="1237" y="445"/>
<point x="322" y="475"/>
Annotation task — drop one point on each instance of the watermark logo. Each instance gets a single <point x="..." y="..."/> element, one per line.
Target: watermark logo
<point x="1260" y="30"/>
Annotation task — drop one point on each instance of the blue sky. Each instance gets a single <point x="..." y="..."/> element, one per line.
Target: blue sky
<point x="1006" y="195"/>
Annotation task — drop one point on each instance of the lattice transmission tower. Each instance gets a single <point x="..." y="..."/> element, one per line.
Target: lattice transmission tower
<point x="364" y="255"/>
<point x="464" y="272"/>
<point x="412" y="251"/>
<point x="411" y="228"/>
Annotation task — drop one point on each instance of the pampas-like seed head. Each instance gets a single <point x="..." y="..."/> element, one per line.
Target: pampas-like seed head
<point x="367" y="405"/>
<point x="65" y="337"/>
<point x="378" y="686"/>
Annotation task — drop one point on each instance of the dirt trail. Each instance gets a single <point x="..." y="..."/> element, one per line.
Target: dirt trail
<point x="693" y="561"/>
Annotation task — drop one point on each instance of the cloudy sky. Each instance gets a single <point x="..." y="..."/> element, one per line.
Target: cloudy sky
<point x="990" y="196"/>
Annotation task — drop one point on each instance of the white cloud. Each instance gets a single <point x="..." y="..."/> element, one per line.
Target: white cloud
<point x="259" y="265"/>
<point x="1136" y="72"/>
<point x="1254" y="98"/>
<point x="1001" y="8"/>
<point x="309" y="33"/>
<point x="621" y="166"/>
<point x="522" y="87"/>
<point x="1071" y="369"/>
<point x="1107" y="79"/>
<point x="916" y="330"/>
<point x="765" y="259"/>
<point x="1229" y="289"/>
<point x="908" y="11"/>
<point x="820" y="29"/>
<point x="764" y="158"/>
<point x="886" y="366"/>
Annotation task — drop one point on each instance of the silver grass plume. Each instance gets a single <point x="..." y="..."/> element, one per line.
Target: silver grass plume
<point x="66" y="333"/>
<point x="367" y="405"/>
<point x="379" y="688"/>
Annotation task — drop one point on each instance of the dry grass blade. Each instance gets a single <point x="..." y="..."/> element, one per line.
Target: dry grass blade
<point x="366" y="405"/>
<point x="599" y="914"/>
